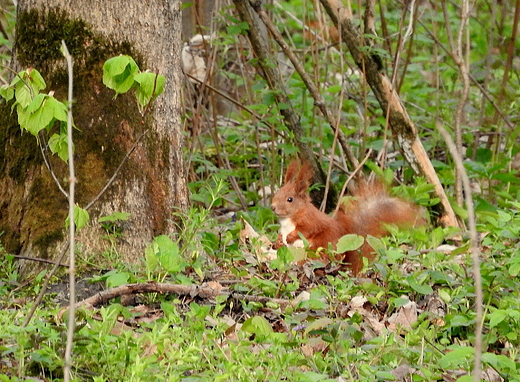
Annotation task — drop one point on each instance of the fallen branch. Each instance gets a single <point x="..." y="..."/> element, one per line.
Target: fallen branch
<point x="165" y="288"/>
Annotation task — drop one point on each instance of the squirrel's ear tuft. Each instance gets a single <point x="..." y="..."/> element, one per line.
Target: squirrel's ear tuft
<point x="303" y="181"/>
<point x="292" y="171"/>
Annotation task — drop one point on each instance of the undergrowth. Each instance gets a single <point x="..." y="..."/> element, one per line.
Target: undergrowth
<point x="410" y="317"/>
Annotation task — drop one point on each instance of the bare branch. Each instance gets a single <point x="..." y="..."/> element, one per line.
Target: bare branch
<point x="72" y="227"/>
<point x="475" y="251"/>
<point x="319" y="101"/>
<point x="391" y="104"/>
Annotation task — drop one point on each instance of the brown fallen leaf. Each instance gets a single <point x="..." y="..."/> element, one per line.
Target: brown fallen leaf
<point x="404" y="317"/>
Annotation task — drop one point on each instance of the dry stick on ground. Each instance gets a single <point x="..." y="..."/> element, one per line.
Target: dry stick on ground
<point x="475" y="250"/>
<point x="186" y="290"/>
<point x="275" y="82"/>
<point x="399" y="120"/>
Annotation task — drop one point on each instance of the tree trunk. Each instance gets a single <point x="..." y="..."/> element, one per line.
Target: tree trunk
<point x="150" y="183"/>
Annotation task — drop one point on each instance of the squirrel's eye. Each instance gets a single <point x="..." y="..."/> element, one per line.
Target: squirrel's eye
<point x="290" y="199"/>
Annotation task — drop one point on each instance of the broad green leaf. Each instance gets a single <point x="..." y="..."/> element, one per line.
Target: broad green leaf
<point x="496" y="317"/>
<point x="118" y="279"/>
<point x="422" y="289"/>
<point x="22" y="118"/>
<point x="22" y="95"/>
<point x="349" y="242"/>
<point x="81" y="217"/>
<point x="457" y="357"/>
<point x="257" y="325"/>
<point x="7" y="92"/>
<point x="386" y="376"/>
<point x="119" y="73"/>
<point x="60" y="111"/>
<point x="311" y="376"/>
<point x="284" y="258"/>
<point x="36" y="80"/>
<point x="58" y="144"/>
<point x="40" y="119"/>
<point x="514" y="269"/>
<point x="318" y="324"/>
<point x="150" y="85"/>
<point x="169" y="256"/>
<point x="500" y="362"/>
<point x="36" y="103"/>
<point x="152" y="261"/>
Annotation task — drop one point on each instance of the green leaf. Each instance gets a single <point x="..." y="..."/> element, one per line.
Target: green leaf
<point x="59" y="109"/>
<point x="257" y="325"/>
<point x="283" y="260"/>
<point x="349" y="242"/>
<point x="500" y="362"/>
<point x="119" y="73"/>
<point x="169" y="256"/>
<point x="22" y="95"/>
<point x="7" y="92"/>
<point x="496" y="317"/>
<point x="385" y="375"/>
<point x="152" y="261"/>
<point x="422" y="289"/>
<point x="123" y="216"/>
<point x="58" y="144"/>
<point x="150" y="85"/>
<point x="36" y="103"/>
<point x="118" y="279"/>
<point x="311" y="376"/>
<point x="40" y="115"/>
<point x="35" y="79"/>
<point x="457" y="357"/>
<point x="81" y="217"/>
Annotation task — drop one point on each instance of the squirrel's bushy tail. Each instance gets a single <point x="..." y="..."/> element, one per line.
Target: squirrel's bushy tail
<point x="368" y="212"/>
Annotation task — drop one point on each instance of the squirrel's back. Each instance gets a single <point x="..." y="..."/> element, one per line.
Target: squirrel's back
<point x="368" y="212"/>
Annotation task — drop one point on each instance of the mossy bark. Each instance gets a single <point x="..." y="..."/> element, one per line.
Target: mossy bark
<point x="151" y="182"/>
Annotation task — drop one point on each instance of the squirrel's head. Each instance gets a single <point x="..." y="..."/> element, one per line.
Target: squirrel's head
<point x="293" y="196"/>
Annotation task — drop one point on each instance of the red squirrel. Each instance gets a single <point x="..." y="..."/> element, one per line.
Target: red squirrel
<point x="367" y="213"/>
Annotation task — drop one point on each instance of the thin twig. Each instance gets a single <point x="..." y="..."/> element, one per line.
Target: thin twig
<point x="37" y="259"/>
<point x="319" y="101"/>
<point x="72" y="227"/>
<point x="46" y="160"/>
<point x="226" y="96"/>
<point x="111" y="180"/>
<point x="510" y="48"/>
<point x="475" y="250"/>
<point x="45" y="284"/>
<point x="350" y="178"/>
<point x="471" y="77"/>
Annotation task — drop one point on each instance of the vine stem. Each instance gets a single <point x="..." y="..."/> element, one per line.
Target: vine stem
<point x="72" y="185"/>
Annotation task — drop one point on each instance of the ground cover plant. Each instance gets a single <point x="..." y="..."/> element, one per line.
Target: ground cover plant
<point x="211" y="301"/>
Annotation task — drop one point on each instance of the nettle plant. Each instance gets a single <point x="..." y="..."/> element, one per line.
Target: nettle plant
<point x="39" y="112"/>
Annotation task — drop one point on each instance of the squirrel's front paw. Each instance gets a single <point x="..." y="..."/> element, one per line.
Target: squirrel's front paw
<point x="279" y="242"/>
